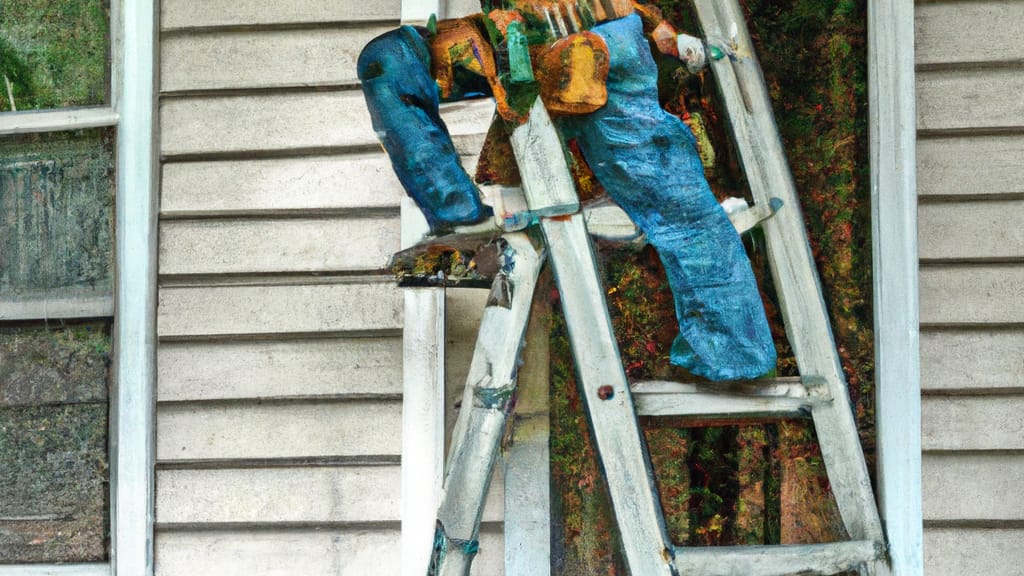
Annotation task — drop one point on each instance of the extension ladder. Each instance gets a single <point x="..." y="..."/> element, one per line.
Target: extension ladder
<point x="613" y="404"/>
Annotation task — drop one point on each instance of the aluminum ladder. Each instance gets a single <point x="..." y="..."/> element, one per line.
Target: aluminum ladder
<point x="613" y="404"/>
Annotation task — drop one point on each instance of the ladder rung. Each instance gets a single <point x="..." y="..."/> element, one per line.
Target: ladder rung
<point x="778" y="560"/>
<point x="774" y="397"/>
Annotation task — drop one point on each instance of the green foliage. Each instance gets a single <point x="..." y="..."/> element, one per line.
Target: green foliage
<point x="55" y="52"/>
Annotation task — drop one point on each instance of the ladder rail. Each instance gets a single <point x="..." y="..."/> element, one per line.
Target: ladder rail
<point x="803" y="307"/>
<point x="487" y="401"/>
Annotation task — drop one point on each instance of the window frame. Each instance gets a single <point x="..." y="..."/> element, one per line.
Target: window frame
<point x="131" y="111"/>
<point x="892" y="135"/>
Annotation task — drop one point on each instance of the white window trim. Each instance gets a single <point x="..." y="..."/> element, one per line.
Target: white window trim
<point x="132" y="422"/>
<point x="892" y="125"/>
<point x="893" y="135"/>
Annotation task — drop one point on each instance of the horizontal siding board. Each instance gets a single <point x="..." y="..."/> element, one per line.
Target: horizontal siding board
<point x="961" y="32"/>
<point x="970" y="166"/>
<point x="262" y="59"/>
<point x="277" y="245"/>
<point x="973" y="487"/>
<point x="954" y="360"/>
<point x="341" y="182"/>
<point x="289" y="430"/>
<point x="264" y="495"/>
<point x="972" y="423"/>
<point x="971" y="230"/>
<point x="283" y="122"/>
<point x="320" y="552"/>
<point x="973" y="552"/>
<point x="278" y="309"/>
<point x="972" y="294"/>
<point x="294" y="494"/>
<point x="971" y="99"/>
<point x="310" y="367"/>
<point x="189" y="14"/>
<point x="264" y="122"/>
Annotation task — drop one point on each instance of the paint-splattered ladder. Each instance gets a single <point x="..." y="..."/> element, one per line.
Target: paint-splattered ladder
<point x="820" y="390"/>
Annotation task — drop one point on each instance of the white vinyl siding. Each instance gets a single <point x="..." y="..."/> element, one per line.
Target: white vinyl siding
<point x="970" y="76"/>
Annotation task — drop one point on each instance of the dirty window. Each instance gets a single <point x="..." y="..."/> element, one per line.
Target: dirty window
<point x="56" y="220"/>
<point x="56" y="294"/>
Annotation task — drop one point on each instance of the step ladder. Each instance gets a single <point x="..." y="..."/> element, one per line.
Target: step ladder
<point x="613" y="404"/>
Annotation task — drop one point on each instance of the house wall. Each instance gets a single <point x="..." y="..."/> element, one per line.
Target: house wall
<point x="970" y="173"/>
<point x="280" y="355"/>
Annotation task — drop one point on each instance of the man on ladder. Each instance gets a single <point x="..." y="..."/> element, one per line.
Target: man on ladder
<point x="596" y="72"/>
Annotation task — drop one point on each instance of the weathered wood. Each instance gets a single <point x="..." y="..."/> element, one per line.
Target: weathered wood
<point x="43" y="365"/>
<point x="972" y="99"/>
<point x="489" y="392"/>
<point x="809" y="559"/>
<point x="973" y="422"/>
<point x="282" y="122"/>
<point x="54" y="483"/>
<point x="973" y="486"/>
<point x="277" y="245"/>
<point x="64" y="308"/>
<point x="607" y="397"/>
<point x="62" y="119"/>
<point x="972" y="359"/>
<point x="287" y="494"/>
<point x="371" y="305"/>
<point x="972" y="294"/>
<point x="288" y="430"/>
<point x="309" y="552"/>
<point x="985" y="31"/>
<point x="971" y="230"/>
<point x="960" y="551"/>
<point x="547" y="182"/>
<point x="292" y="184"/>
<point x="970" y="165"/>
<point x="186" y="14"/>
<point x="263" y="59"/>
<point x="279" y="368"/>
<point x="807" y="325"/>
<point x="785" y="398"/>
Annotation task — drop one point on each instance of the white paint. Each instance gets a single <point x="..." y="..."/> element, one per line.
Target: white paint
<point x="132" y="418"/>
<point x="891" y="120"/>
<point x="417" y="12"/>
<point x="422" y="423"/>
<point x="58" y="119"/>
<point x="49" y="308"/>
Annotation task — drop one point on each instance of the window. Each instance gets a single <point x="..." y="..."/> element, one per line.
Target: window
<point x="77" y="286"/>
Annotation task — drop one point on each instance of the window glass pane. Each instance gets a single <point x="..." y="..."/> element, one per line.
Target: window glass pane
<point x="53" y="53"/>
<point x="56" y="219"/>
<point x="53" y="442"/>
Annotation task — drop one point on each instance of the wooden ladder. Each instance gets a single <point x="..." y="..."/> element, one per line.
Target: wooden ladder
<point x="613" y="404"/>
